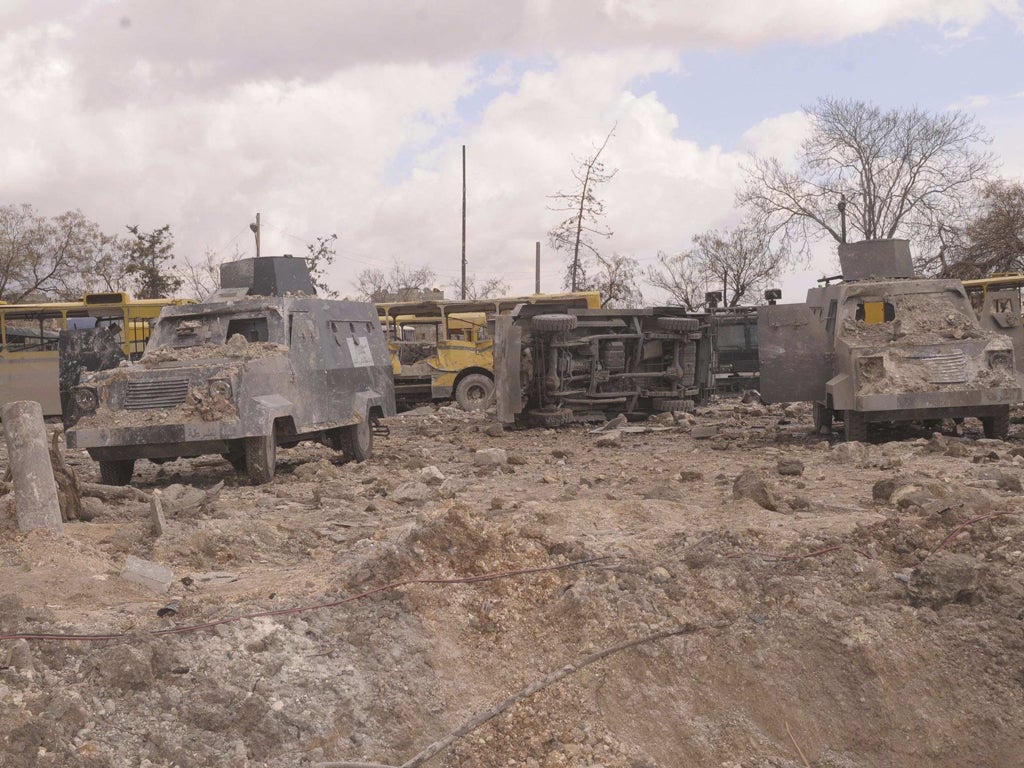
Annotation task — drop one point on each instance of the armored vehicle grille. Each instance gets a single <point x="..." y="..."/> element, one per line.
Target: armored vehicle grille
<point x="950" y="368"/>
<point x="162" y="393"/>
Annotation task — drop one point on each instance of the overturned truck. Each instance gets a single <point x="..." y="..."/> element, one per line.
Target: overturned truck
<point x="588" y="364"/>
<point x="884" y="346"/>
<point x="262" y="363"/>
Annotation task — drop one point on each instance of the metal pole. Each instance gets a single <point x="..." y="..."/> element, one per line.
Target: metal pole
<point x="536" y="288"/>
<point x="463" y="222"/>
<point x="255" y="228"/>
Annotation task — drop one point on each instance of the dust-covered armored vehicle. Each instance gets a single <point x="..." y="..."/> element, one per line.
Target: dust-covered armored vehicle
<point x="262" y="363"/>
<point x="884" y="346"/>
<point x="589" y="364"/>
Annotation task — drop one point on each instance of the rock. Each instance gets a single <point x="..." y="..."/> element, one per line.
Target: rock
<point x="703" y="431"/>
<point x="937" y="444"/>
<point x="413" y="492"/>
<point x="616" y="423"/>
<point x="609" y="439"/>
<point x="1009" y="482"/>
<point x="689" y="476"/>
<point x="431" y="475"/>
<point x="849" y="453"/>
<point x="800" y="503"/>
<point x="660" y="575"/>
<point x="751" y="396"/>
<point x="490" y="457"/>
<point x="883" y="489"/>
<point x="147" y="574"/>
<point x="790" y="467"/>
<point x="516" y="459"/>
<point x="125" y="667"/>
<point x="956" y="449"/>
<point x="944" y="578"/>
<point x="794" y="410"/>
<point x="662" y="492"/>
<point x="20" y="657"/>
<point x="494" y="430"/>
<point x="750" y="485"/>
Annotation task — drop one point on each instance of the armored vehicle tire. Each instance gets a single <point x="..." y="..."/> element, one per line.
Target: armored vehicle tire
<point x="236" y="459"/>
<point x="553" y="323"/>
<point x="474" y="392"/>
<point x="678" y="323"/>
<point x="997" y="427"/>
<point x="261" y="458"/>
<point x="822" y="418"/>
<point x="357" y="441"/>
<point x="855" y="427"/>
<point x="118" y="472"/>
<point x="665" y="404"/>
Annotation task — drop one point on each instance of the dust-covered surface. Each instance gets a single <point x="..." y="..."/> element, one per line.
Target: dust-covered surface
<point x="918" y="318"/>
<point x="822" y="594"/>
<point x="236" y="348"/>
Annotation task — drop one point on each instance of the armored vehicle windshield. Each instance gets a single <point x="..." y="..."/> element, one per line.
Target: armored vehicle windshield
<point x="211" y="328"/>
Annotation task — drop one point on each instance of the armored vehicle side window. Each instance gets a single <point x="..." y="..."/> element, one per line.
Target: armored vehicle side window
<point x="731" y="337"/>
<point x="830" y="320"/>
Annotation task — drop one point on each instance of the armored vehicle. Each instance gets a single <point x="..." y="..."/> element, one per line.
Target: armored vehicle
<point x="261" y="363"/>
<point x="884" y="346"/>
<point x="589" y="364"/>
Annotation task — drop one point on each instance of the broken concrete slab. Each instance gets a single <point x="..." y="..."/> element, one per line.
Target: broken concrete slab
<point x="147" y="574"/>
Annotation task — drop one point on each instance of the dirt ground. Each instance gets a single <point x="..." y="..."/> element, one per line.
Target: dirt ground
<point x="834" y="605"/>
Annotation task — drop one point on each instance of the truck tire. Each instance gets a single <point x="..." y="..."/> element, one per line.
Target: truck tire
<point x="678" y="324"/>
<point x="117" y="472"/>
<point x="236" y="458"/>
<point x="357" y="440"/>
<point x="855" y="427"/>
<point x="553" y="323"/>
<point x="822" y="418"/>
<point x="474" y="392"/>
<point x="997" y="427"/>
<point x="261" y="458"/>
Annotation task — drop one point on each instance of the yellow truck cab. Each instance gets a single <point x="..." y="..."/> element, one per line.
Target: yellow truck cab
<point x="444" y="350"/>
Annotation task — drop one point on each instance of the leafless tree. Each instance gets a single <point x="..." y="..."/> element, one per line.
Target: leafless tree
<point x="576" y="234"/>
<point x="489" y="288"/>
<point x="402" y="283"/>
<point x="904" y="172"/>
<point x="740" y="263"/>
<point x="321" y="255"/>
<point x="993" y="239"/>
<point x="617" y="277"/>
<point x="679" y="275"/>
<point x="201" y="277"/>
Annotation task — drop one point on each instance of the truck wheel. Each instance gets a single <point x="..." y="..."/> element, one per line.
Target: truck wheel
<point x="553" y="323"/>
<point x="822" y="418"/>
<point x="357" y="440"/>
<point x="997" y="427"/>
<point x="855" y="427"/>
<point x="678" y="323"/>
<point x="474" y="392"/>
<point x="117" y="472"/>
<point x="261" y="458"/>
<point x="236" y="458"/>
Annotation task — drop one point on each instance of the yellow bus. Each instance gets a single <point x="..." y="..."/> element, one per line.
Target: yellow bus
<point x="29" y="335"/>
<point x="443" y="349"/>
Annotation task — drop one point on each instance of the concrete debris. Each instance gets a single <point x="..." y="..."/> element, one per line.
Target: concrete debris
<point x="789" y="467"/>
<point x="609" y="439"/>
<point x="431" y="475"/>
<point x="750" y="485"/>
<point x="490" y="457"/>
<point x="147" y="574"/>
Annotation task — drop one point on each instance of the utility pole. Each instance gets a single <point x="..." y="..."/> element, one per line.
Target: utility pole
<point x="463" y="222"/>
<point x="255" y="227"/>
<point x="536" y="288"/>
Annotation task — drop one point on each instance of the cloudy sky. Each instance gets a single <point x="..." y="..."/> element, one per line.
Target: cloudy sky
<point x="349" y="116"/>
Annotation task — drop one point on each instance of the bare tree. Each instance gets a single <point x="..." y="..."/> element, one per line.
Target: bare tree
<point x="402" y="283"/>
<point x="740" y="263"/>
<point x="993" y="239"/>
<point x="321" y="255"/>
<point x="576" y="234"/>
<point x="679" y="275"/>
<point x="47" y="258"/>
<point x="617" y="277"/>
<point x="489" y="288"/>
<point x="201" y="277"/>
<point x="899" y="173"/>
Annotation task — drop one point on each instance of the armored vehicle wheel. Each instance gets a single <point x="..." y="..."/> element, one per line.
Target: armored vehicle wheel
<point x="822" y="418"/>
<point x="357" y="441"/>
<point x="236" y="459"/>
<point x="855" y="427"/>
<point x="118" y="472"/>
<point x="997" y="427"/>
<point x="474" y="392"/>
<point x="678" y="323"/>
<point x="672" y="404"/>
<point x="553" y="323"/>
<point x="261" y="458"/>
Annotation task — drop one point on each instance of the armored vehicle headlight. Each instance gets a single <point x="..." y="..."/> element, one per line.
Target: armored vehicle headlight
<point x="1000" y="359"/>
<point x="220" y="388"/>
<point x="86" y="399"/>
